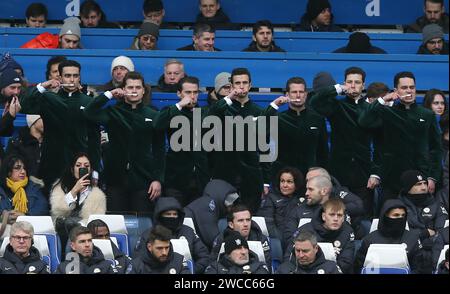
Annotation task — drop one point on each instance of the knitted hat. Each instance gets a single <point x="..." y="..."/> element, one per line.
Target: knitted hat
<point x="31" y="119"/>
<point x="122" y="61"/>
<point x="432" y="31"/>
<point x="315" y="7"/>
<point x="233" y="241"/>
<point x="409" y="178"/>
<point x="358" y="42"/>
<point x="8" y="62"/>
<point x="221" y="80"/>
<point x="71" y="26"/>
<point x="321" y="80"/>
<point x="153" y="5"/>
<point x="8" y="77"/>
<point x="149" y="28"/>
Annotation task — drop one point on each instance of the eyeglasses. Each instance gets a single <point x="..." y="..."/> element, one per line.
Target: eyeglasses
<point x="19" y="167"/>
<point x="20" y="238"/>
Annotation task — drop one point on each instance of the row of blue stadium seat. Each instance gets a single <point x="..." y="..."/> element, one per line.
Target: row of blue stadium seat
<point x="321" y="42"/>
<point x="269" y="70"/>
<point x="354" y="12"/>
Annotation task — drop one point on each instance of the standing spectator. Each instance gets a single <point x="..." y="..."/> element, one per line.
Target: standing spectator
<point x="92" y="16"/>
<point x="212" y="14"/>
<point x="28" y="144"/>
<point x="308" y="258"/>
<point x="263" y="40"/>
<point x="20" y="256"/>
<point x="405" y="124"/>
<point x="318" y="18"/>
<point x="70" y="34"/>
<point x="18" y="193"/>
<point x="434" y="13"/>
<point x="436" y="101"/>
<point x="276" y="205"/>
<point x="359" y="42"/>
<point x="159" y="257"/>
<point x="134" y="159"/>
<point x="433" y="41"/>
<point x="391" y="230"/>
<point x="237" y="259"/>
<point x="203" y="39"/>
<point x="36" y="15"/>
<point x="173" y="73"/>
<point x="147" y="37"/>
<point x="88" y="260"/>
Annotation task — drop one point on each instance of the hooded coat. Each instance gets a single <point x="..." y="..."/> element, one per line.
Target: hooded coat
<point x="226" y="266"/>
<point x="147" y="264"/>
<point x="96" y="264"/>
<point x="319" y="266"/>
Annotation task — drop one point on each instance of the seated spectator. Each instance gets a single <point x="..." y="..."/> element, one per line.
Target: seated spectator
<point x="434" y="12"/>
<point x="52" y="72"/>
<point x="120" y="66"/>
<point x="212" y="14"/>
<point x="222" y="88"/>
<point x="28" y="144"/>
<point x="433" y="41"/>
<point x="92" y="16"/>
<point x="308" y="258"/>
<point x="8" y="62"/>
<point x="239" y="219"/>
<point x="100" y="230"/>
<point x="18" y="193"/>
<point x="170" y="214"/>
<point x="318" y="18"/>
<point x="203" y="39"/>
<point x="284" y="197"/>
<point x="70" y="34"/>
<point x="73" y="197"/>
<point x="159" y="257"/>
<point x="20" y="256"/>
<point x="153" y="11"/>
<point x="36" y="15"/>
<point x="391" y="230"/>
<point x="237" y="259"/>
<point x="263" y="40"/>
<point x="147" y="37"/>
<point x="173" y="73"/>
<point x="436" y="101"/>
<point x="86" y="258"/>
<point x="359" y="42"/>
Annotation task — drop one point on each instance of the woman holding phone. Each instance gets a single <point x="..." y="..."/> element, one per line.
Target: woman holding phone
<point x="73" y="198"/>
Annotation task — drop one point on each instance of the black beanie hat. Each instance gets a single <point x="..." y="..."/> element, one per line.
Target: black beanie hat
<point x="233" y="241"/>
<point x="358" y="42"/>
<point x="8" y="77"/>
<point x="409" y="178"/>
<point x="323" y="79"/>
<point x="315" y="7"/>
<point x="149" y="28"/>
<point x="152" y="5"/>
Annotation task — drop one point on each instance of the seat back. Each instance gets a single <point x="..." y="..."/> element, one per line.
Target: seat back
<point x="105" y="247"/>
<point x="328" y="250"/>
<point x="446" y="223"/>
<point x="115" y="222"/>
<point x="276" y="252"/>
<point x="441" y="256"/>
<point x="181" y="246"/>
<point x="303" y="221"/>
<point x="374" y="225"/>
<point x="188" y="221"/>
<point x="383" y="258"/>
<point x="261" y="221"/>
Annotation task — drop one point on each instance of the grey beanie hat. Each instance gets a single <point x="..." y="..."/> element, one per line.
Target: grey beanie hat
<point x="432" y="31"/>
<point x="222" y="79"/>
<point x="71" y="26"/>
<point x="149" y="28"/>
<point x="323" y="79"/>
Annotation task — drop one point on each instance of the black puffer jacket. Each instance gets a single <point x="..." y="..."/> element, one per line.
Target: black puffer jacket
<point x="11" y="263"/>
<point x="147" y="264"/>
<point x="319" y="266"/>
<point x="226" y="266"/>
<point x="96" y="264"/>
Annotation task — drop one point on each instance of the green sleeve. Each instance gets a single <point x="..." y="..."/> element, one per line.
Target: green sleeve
<point x="162" y="120"/>
<point x="324" y="101"/>
<point x="370" y="116"/>
<point x="435" y="150"/>
<point x="35" y="102"/>
<point x="322" y="148"/>
<point x="158" y="152"/>
<point x="95" y="112"/>
<point x="219" y="108"/>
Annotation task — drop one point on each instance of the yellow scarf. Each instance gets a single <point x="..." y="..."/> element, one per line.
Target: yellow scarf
<point x="19" y="199"/>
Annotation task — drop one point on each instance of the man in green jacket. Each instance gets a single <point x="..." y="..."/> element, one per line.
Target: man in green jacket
<point x="134" y="159"/>
<point x="186" y="167"/>
<point x="67" y="130"/>
<point x="411" y="135"/>
<point x="350" y="157"/>
<point x="302" y="132"/>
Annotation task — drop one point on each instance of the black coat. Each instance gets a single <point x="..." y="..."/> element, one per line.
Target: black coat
<point x="424" y="50"/>
<point x="122" y="262"/>
<point x="96" y="264"/>
<point x="439" y="242"/>
<point x="253" y="48"/>
<point x="226" y="266"/>
<point x="220" y="21"/>
<point x="11" y="263"/>
<point x="147" y="264"/>
<point x="319" y="266"/>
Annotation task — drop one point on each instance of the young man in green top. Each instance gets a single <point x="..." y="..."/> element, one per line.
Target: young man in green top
<point x="134" y="159"/>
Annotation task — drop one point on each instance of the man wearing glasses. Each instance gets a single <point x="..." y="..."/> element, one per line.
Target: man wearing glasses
<point x="20" y="256"/>
<point x="433" y="41"/>
<point x="147" y="37"/>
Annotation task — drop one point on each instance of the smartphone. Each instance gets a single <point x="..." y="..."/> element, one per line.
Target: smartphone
<point x="83" y="171"/>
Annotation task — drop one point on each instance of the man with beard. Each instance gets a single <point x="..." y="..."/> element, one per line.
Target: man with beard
<point x="391" y="230"/>
<point x="263" y="38"/>
<point x="238" y="259"/>
<point x="433" y="41"/>
<point x="425" y="214"/>
<point x="434" y="12"/>
<point x="173" y="73"/>
<point x="159" y="257"/>
<point x="308" y="258"/>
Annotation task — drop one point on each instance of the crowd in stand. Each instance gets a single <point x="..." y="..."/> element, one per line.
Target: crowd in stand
<point x="89" y="149"/>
